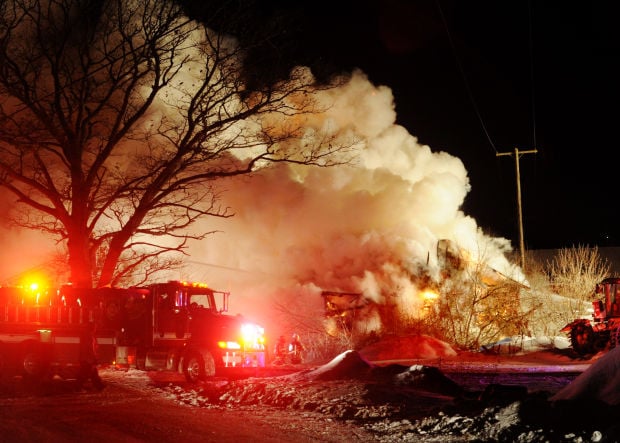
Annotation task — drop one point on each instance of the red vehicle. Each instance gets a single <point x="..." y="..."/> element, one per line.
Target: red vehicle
<point x="178" y="326"/>
<point x="603" y="331"/>
<point x="40" y="333"/>
<point x="174" y="326"/>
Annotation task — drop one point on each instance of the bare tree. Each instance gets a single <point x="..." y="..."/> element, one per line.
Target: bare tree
<point x="472" y="312"/>
<point x="477" y="305"/>
<point x="118" y="120"/>
<point x="573" y="274"/>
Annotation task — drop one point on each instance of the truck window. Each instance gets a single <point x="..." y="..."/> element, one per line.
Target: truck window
<point x="165" y="301"/>
<point x="201" y="301"/>
<point x="181" y="299"/>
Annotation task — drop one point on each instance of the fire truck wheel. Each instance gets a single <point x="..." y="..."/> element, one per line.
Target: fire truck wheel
<point x="193" y="368"/>
<point x="32" y="364"/>
<point x="197" y="368"/>
<point x="209" y="365"/>
<point x="582" y="338"/>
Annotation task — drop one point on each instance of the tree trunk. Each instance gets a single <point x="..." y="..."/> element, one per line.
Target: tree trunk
<point x="80" y="262"/>
<point x="117" y="246"/>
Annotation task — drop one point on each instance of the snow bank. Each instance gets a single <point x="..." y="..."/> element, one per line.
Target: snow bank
<point x="601" y="381"/>
<point x="347" y="365"/>
<point x="408" y="347"/>
<point x="350" y="365"/>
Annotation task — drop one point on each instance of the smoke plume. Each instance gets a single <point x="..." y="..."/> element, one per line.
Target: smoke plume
<point x="371" y="227"/>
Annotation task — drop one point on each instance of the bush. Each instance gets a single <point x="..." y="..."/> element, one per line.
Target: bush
<point x="562" y="288"/>
<point x="471" y="312"/>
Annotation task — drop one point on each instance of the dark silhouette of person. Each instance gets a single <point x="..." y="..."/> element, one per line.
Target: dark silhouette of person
<point x="88" y="358"/>
<point x="280" y="350"/>
<point x="295" y="349"/>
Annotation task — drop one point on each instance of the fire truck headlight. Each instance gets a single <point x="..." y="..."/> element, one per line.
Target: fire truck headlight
<point x="251" y="337"/>
<point x="252" y="334"/>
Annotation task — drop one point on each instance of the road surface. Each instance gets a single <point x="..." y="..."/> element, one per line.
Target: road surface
<point x="58" y="412"/>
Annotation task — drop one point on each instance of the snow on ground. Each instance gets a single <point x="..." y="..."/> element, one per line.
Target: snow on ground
<point x="395" y="348"/>
<point x="601" y="381"/>
<point x="417" y="402"/>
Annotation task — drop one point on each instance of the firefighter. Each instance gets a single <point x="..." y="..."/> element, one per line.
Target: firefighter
<point x="88" y="358"/>
<point x="295" y="348"/>
<point x="280" y="351"/>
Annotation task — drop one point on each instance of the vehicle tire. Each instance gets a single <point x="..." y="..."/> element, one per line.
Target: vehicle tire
<point x="33" y="364"/>
<point x="209" y="364"/>
<point x="582" y="339"/>
<point x="198" y="367"/>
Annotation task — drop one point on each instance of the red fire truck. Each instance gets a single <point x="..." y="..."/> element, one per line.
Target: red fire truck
<point x="179" y="326"/>
<point x="176" y="326"/>
<point x="41" y="330"/>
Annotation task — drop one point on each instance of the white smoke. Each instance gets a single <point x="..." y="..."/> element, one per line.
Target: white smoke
<point x="366" y="227"/>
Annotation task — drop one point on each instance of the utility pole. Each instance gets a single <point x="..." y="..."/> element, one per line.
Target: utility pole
<point x="516" y="154"/>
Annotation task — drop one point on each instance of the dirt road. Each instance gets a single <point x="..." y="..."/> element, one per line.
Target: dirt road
<point x="137" y="406"/>
<point x="122" y="413"/>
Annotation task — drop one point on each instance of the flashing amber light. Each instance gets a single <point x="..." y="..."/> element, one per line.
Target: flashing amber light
<point x="194" y="284"/>
<point x="228" y="345"/>
<point x="33" y="287"/>
<point x="33" y="282"/>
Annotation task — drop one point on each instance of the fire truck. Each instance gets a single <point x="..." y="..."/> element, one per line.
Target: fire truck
<point x="176" y="326"/>
<point x="41" y="332"/>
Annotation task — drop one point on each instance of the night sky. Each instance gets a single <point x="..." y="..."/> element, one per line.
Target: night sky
<point x="474" y="78"/>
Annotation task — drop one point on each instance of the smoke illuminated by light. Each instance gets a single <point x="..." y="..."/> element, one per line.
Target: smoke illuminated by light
<point x="370" y="226"/>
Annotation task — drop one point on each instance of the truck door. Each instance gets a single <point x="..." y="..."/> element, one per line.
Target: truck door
<point x="171" y="318"/>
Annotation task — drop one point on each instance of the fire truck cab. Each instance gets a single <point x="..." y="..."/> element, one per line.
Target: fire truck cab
<point x="179" y="326"/>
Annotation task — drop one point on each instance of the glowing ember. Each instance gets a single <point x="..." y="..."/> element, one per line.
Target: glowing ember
<point x="429" y="295"/>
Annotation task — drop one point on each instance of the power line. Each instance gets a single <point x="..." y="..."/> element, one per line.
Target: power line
<point x="531" y="47"/>
<point x="467" y="87"/>
<point x="516" y="152"/>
